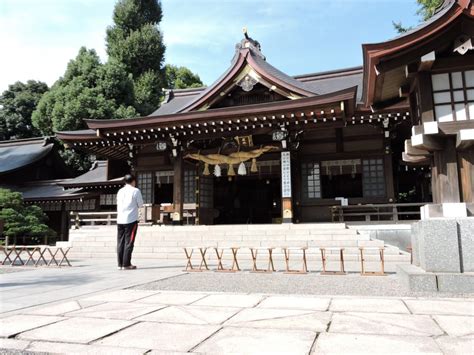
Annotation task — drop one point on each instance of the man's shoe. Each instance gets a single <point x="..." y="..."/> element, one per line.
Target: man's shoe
<point x="119" y="268"/>
<point x="131" y="267"/>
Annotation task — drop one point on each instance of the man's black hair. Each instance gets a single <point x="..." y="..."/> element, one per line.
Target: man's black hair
<point x="129" y="178"/>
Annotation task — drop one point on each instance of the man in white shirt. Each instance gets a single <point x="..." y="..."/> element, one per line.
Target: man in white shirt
<point x="129" y="200"/>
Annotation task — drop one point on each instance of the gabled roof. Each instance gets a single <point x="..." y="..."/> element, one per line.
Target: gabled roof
<point x="96" y="176"/>
<point x="320" y="83"/>
<point x="247" y="56"/>
<point x="389" y="56"/>
<point x="16" y="154"/>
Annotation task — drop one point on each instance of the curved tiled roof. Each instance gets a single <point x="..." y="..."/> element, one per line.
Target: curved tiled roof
<point x="17" y="154"/>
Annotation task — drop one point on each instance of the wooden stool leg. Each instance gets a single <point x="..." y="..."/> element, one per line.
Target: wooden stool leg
<point x="323" y="259"/>
<point x="305" y="264"/>
<point x="254" y="259"/>
<point x="287" y="259"/>
<point x="235" y="263"/>
<point x="382" y="261"/>
<point x="362" y="271"/>
<point x="271" y="267"/>
<point x="219" y="259"/>
<point x="64" y="258"/>
<point x="203" y="256"/>
<point x="189" y="265"/>
<point x="341" y="257"/>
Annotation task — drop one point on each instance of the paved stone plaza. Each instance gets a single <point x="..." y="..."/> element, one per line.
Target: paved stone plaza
<point x="97" y="309"/>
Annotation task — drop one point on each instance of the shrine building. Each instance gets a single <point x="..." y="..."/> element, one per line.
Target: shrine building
<point x="261" y="146"/>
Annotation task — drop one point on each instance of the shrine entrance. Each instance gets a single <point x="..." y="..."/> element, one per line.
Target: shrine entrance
<point x="247" y="200"/>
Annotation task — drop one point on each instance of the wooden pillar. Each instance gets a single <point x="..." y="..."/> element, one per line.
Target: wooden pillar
<point x="286" y="196"/>
<point x="64" y="222"/>
<point x="444" y="174"/>
<point x="178" y="190"/>
<point x="389" y="181"/>
<point x="426" y="97"/>
<point x="466" y="171"/>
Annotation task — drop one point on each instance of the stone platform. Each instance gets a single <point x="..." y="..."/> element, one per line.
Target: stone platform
<point x="167" y="242"/>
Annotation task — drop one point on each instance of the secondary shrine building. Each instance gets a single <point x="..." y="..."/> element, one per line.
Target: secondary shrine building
<point x="260" y="146"/>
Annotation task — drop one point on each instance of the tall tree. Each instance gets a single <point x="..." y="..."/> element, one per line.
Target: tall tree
<point x="181" y="78"/>
<point x="17" y="104"/>
<point x="426" y="10"/>
<point x="136" y="41"/>
<point x="88" y="90"/>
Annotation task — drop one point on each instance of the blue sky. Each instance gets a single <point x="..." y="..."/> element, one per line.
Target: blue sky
<point x="39" y="37"/>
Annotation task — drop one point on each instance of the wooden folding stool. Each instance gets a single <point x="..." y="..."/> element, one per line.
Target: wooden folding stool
<point x="324" y="261"/>
<point x="362" y="262"/>
<point x="189" y="265"/>
<point x="64" y="257"/>
<point x="254" y="252"/>
<point x="220" y="254"/>
<point x="304" y="267"/>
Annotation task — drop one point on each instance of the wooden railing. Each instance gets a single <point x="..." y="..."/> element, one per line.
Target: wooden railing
<point x="377" y="212"/>
<point x="79" y="219"/>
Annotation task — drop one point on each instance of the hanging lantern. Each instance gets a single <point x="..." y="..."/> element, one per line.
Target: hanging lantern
<point x="253" y="167"/>
<point x="231" y="171"/>
<point x="217" y="170"/>
<point x="242" y="169"/>
<point x="206" y="171"/>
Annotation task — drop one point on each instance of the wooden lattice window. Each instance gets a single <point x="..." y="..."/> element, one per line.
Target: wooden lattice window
<point x="145" y="184"/>
<point x="189" y="186"/>
<point x="453" y="96"/>
<point x="311" y="184"/>
<point x="373" y="177"/>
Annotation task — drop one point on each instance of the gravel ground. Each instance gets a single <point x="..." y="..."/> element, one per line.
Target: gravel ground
<point x="280" y="283"/>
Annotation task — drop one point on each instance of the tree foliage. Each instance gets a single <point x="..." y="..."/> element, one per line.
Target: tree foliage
<point x="17" y="104"/>
<point x="88" y="90"/>
<point x="136" y="41"/>
<point x="426" y="10"/>
<point x="181" y="78"/>
<point x="20" y="219"/>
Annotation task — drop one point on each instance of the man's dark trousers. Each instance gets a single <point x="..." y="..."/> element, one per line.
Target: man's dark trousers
<point x="125" y="239"/>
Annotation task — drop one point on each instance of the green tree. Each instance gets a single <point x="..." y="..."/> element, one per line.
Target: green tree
<point x="136" y="41"/>
<point x="426" y="10"/>
<point x="20" y="219"/>
<point x="88" y="90"/>
<point x="181" y="78"/>
<point x="17" y="104"/>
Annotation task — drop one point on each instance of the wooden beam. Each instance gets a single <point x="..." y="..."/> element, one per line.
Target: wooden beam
<point x="178" y="190"/>
<point x="426" y="61"/>
<point x="466" y="172"/>
<point x="415" y="159"/>
<point x="465" y="139"/>
<point x="426" y="97"/>
<point x="404" y="91"/>
<point x="413" y="151"/>
<point x="426" y="142"/>
<point x="411" y="70"/>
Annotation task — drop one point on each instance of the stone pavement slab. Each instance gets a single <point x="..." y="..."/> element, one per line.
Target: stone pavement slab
<point x="13" y="344"/>
<point x="115" y="310"/>
<point x="387" y="324"/>
<point x="173" y="298"/>
<point x="435" y="306"/>
<point x="269" y="318"/>
<point x="121" y="296"/>
<point x="378" y="305"/>
<point x="229" y="300"/>
<point x="76" y="330"/>
<point x="331" y="343"/>
<point x="191" y="315"/>
<point x="161" y="336"/>
<point x="15" y="324"/>
<point x="452" y="346"/>
<point x="258" y="341"/>
<point x="296" y="302"/>
<point x="60" y="308"/>
<point x="456" y="326"/>
<point x="68" y="348"/>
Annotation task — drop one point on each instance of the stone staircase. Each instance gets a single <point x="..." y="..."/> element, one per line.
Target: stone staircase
<point x="167" y="242"/>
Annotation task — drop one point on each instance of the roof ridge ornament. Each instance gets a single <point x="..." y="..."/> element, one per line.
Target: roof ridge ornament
<point x="250" y="43"/>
